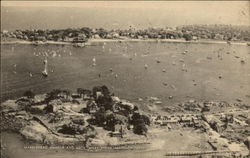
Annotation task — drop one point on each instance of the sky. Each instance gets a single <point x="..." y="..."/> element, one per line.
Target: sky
<point x="120" y="14"/>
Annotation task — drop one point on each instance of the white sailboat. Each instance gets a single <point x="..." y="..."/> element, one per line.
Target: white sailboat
<point x="94" y="61"/>
<point x="45" y="71"/>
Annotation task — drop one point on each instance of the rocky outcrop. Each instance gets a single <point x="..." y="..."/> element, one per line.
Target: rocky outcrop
<point x="36" y="132"/>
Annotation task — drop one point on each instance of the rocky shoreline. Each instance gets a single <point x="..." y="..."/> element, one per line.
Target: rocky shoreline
<point x="93" y="41"/>
<point x="98" y="121"/>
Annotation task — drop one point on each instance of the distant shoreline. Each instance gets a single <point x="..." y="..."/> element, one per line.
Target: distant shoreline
<point x="92" y="41"/>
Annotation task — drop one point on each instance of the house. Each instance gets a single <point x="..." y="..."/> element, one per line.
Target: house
<point x="115" y="99"/>
<point x="119" y="131"/>
<point x="139" y="37"/>
<point x="116" y="134"/>
<point x="120" y="128"/>
<point x="5" y="31"/>
<point x="67" y="39"/>
<point x="99" y="94"/>
<point x="168" y="122"/>
<point x="75" y="95"/>
<point x="79" y="40"/>
<point x="158" y="122"/>
<point x="186" y="119"/>
<point x="115" y="35"/>
<point x="84" y="93"/>
<point x="96" y="36"/>
<point x="41" y="38"/>
<point x="195" y="38"/>
<point x="92" y="107"/>
<point x="108" y="36"/>
<point x="127" y="105"/>
<point x="64" y="94"/>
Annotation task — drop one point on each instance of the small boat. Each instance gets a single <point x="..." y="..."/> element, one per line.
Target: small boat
<point x="165" y="84"/>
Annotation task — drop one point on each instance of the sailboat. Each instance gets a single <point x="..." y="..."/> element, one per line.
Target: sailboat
<point x="45" y="71"/>
<point x="94" y="61"/>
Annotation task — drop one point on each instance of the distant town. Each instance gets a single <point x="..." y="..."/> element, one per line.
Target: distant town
<point x="81" y="35"/>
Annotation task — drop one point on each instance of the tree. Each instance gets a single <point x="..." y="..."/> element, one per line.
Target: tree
<point x="105" y="100"/>
<point x="114" y="119"/>
<point x="100" y="117"/>
<point x="140" y="127"/>
<point x="145" y="119"/>
<point x="187" y="37"/>
<point x="140" y="122"/>
<point x="87" y="32"/>
<point x="111" y="122"/>
<point x="29" y="94"/>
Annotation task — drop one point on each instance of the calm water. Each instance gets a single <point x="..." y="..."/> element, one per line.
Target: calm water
<point x="74" y="69"/>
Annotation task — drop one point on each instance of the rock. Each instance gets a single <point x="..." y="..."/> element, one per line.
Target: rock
<point x="38" y="109"/>
<point x="21" y="113"/>
<point x="9" y="105"/>
<point x="34" y="131"/>
<point x="53" y="106"/>
<point x="170" y="97"/>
